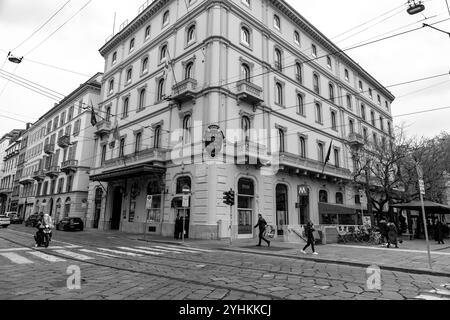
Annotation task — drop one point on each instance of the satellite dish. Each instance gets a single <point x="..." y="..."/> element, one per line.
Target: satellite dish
<point x="14" y="59"/>
<point x="415" y="7"/>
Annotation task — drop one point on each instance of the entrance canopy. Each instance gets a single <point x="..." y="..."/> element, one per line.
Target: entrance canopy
<point x="430" y="207"/>
<point x="326" y="208"/>
<point x="127" y="172"/>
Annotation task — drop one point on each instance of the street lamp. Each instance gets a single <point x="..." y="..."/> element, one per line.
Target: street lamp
<point x="415" y="7"/>
<point x="186" y="192"/>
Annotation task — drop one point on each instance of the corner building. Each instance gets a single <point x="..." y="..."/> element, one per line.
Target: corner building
<point x="261" y="74"/>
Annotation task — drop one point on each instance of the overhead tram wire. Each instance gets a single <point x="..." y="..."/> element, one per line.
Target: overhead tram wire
<point x="29" y="87"/>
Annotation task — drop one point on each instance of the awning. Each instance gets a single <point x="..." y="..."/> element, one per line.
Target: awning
<point x="430" y="207"/>
<point x="127" y="172"/>
<point x="326" y="208"/>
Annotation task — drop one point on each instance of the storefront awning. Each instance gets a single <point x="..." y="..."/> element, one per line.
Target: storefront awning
<point x="127" y="172"/>
<point x="326" y="208"/>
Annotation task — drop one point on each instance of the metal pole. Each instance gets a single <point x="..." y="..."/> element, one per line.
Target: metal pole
<point x="231" y="225"/>
<point x="426" y="231"/>
<point x="184" y="223"/>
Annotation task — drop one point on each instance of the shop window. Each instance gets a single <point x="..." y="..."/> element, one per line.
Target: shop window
<point x="339" y="198"/>
<point x="323" y="196"/>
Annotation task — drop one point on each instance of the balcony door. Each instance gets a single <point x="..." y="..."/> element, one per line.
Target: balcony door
<point x="246" y="200"/>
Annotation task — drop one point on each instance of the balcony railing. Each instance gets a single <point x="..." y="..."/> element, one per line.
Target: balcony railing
<point x="52" y="171"/>
<point x="49" y="148"/>
<point x="103" y="127"/>
<point x="26" y="180"/>
<point x="6" y="190"/>
<point x="248" y="152"/>
<point x="69" y="165"/>
<point x="64" y="141"/>
<point x="356" y="140"/>
<point x="38" y="175"/>
<point x="184" y="90"/>
<point x="158" y="156"/>
<point x="249" y="92"/>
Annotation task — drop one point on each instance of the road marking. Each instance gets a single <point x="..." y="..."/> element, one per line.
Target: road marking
<point x="32" y="235"/>
<point x="430" y="297"/>
<point x="179" y="250"/>
<point x="121" y="252"/>
<point x="14" y="257"/>
<point x="158" y="250"/>
<point x="389" y="249"/>
<point x="191" y="248"/>
<point x="99" y="253"/>
<point x="141" y="251"/>
<point x="46" y="257"/>
<point x="73" y="255"/>
<point x="14" y="249"/>
<point x="441" y="292"/>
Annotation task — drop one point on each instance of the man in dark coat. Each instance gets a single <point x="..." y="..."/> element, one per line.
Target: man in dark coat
<point x="309" y="233"/>
<point x="392" y="234"/>
<point x="439" y="232"/>
<point x="383" y="230"/>
<point x="178" y="226"/>
<point x="262" y="227"/>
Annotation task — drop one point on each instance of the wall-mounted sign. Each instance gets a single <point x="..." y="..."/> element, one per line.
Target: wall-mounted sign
<point x="149" y="202"/>
<point x="303" y="191"/>
<point x="214" y="138"/>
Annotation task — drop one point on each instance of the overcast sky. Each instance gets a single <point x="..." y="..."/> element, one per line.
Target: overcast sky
<point x="75" y="47"/>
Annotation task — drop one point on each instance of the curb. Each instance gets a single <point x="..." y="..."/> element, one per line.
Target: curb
<point x="347" y="263"/>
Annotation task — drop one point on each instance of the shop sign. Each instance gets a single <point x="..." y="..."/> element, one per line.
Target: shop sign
<point x="149" y="202"/>
<point x="422" y="187"/>
<point x="303" y="191"/>
<point x="186" y="201"/>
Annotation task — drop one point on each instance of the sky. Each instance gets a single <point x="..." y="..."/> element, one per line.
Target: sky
<point x="75" y="46"/>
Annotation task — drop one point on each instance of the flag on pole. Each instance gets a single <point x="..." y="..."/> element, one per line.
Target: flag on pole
<point x="93" y="118"/>
<point x="116" y="134"/>
<point x="328" y="156"/>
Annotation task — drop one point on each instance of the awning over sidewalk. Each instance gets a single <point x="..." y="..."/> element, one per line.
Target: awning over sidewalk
<point x="430" y="207"/>
<point x="326" y="208"/>
<point x="127" y="172"/>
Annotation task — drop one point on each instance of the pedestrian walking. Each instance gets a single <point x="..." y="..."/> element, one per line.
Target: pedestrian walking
<point x="262" y="227"/>
<point x="439" y="232"/>
<point x="309" y="233"/>
<point x="178" y="226"/>
<point x="382" y="225"/>
<point x="392" y="234"/>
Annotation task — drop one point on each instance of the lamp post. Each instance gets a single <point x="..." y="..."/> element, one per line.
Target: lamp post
<point x="422" y="193"/>
<point x="186" y="192"/>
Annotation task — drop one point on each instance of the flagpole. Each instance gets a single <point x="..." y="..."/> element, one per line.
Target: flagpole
<point x="328" y="156"/>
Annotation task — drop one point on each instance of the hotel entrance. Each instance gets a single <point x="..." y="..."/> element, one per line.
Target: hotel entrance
<point x="245" y="207"/>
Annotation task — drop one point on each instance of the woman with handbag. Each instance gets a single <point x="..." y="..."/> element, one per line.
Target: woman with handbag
<point x="309" y="233"/>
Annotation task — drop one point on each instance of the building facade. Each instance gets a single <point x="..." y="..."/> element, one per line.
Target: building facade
<point x="242" y="94"/>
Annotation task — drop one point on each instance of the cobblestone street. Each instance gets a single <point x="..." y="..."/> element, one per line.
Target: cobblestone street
<point x="120" y="268"/>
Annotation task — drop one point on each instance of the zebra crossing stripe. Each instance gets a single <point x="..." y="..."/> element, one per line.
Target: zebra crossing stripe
<point x="441" y="292"/>
<point x="121" y="252"/>
<point x="46" y="257"/>
<point x="178" y="250"/>
<point x="430" y="297"/>
<point x="189" y="248"/>
<point x="99" y="253"/>
<point x="141" y="251"/>
<point x="157" y="250"/>
<point x="14" y="249"/>
<point x="73" y="255"/>
<point x="15" y="258"/>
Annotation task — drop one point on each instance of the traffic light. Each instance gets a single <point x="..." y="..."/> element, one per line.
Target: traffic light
<point x="228" y="197"/>
<point x="232" y="197"/>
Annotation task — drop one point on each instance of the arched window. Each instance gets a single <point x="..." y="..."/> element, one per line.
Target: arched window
<point x="276" y="22"/>
<point x="318" y="113"/>
<point x="163" y="53"/>
<point x="339" y="198"/>
<point x="160" y="92"/>
<point x="302" y="147"/>
<point x="126" y="103"/>
<point x="129" y="75"/>
<point x="321" y="155"/>
<point x="298" y="72"/>
<point x="157" y="138"/>
<point x="316" y="83"/>
<point x="122" y="148"/>
<point x="323" y="196"/>
<point x="245" y="126"/>
<point x="351" y="126"/>
<point x="142" y="99"/>
<point x="279" y="93"/>
<point x="137" y="143"/>
<point x="245" y="69"/>
<point x="67" y="207"/>
<point x="188" y="71"/>
<point x="297" y="37"/>
<point x="281" y="136"/>
<point x="333" y="120"/>
<point x="131" y="44"/>
<point x="144" y="68"/>
<point x="278" y="60"/>
<point x="108" y="114"/>
<point x="191" y="34"/>
<point x="103" y="159"/>
<point x="111" y="86"/>
<point x="166" y="18"/>
<point x="245" y="36"/>
<point x="331" y="90"/>
<point x="301" y="104"/>
<point x="187" y="129"/>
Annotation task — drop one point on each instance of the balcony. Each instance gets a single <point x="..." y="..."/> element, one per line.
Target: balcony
<point x="38" y="175"/>
<point x="184" y="91"/>
<point x="64" y="141"/>
<point x="6" y="190"/>
<point x="69" y="166"/>
<point x="53" y="171"/>
<point x="154" y="156"/>
<point x="251" y="153"/>
<point x="103" y="127"/>
<point x="49" y="148"/>
<point x="249" y="92"/>
<point x="356" y="140"/>
<point x="26" y="180"/>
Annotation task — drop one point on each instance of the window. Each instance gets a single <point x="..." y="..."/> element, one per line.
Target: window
<point x="246" y="2"/>
<point x="111" y="86"/>
<point x="49" y="127"/>
<point x="160" y="91"/>
<point x="297" y="37"/>
<point x="103" y="158"/>
<point x="389" y="128"/>
<point x="55" y="123"/>
<point x="147" y="32"/>
<point x="301" y="104"/>
<point x="60" y="185"/>
<point x="144" y="67"/>
<point x="349" y="101"/>
<point x="137" y="143"/>
<point x="329" y="62"/>
<point x="331" y="91"/>
<point x="360" y="86"/>
<point x="314" y="50"/>
<point x="282" y="141"/>
<point x="302" y="147"/>
<point x="126" y="103"/>
<point x="163" y="53"/>
<point x="68" y="130"/>
<point x="374" y="138"/>
<point x="245" y="125"/>
<point x="131" y="45"/>
<point x="70" y="113"/>
<point x="318" y="113"/>
<point x="339" y="198"/>
<point x="245" y="36"/>
<point x="165" y="20"/>
<point x="76" y="128"/>
<point x="187" y="129"/>
<point x="108" y="114"/>
<point x="381" y="124"/>
<point x="365" y="136"/>
<point x="157" y="138"/>
<point x="379" y="99"/>
<point x="278" y="60"/>
<point x="383" y="142"/>
<point x="316" y="83"/>
<point x="346" y="74"/>
<point x="191" y="34"/>
<point x="386" y="105"/>
<point x="333" y="120"/>
<point x="357" y="199"/>
<point x="188" y="71"/>
<point x="320" y="155"/>
<point x="351" y="126"/>
<point x="336" y="158"/>
<point x="279" y="94"/>
<point x="363" y="112"/>
<point x="62" y="119"/>
<point x="298" y="72"/>
<point x="245" y="70"/>
<point x="141" y="104"/>
<point x="276" y="22"/>
<point x="114" y="58"/>
<point x="372" y="118"/>
<point x="323" y="196"/>
<point x="129" y="75"/>
<point x="122" y="148"/>
<point x="370" y="93"/>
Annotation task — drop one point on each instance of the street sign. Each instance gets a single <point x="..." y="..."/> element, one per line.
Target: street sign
<point x="422" y="187"/>
<point x="303" y="190"/>
<point x="419" y="171"/>
<point x="149" y="202"/>
<point x="186" y="189"/>
<point x="185" y="201"/>
<point x="361" y="193"/>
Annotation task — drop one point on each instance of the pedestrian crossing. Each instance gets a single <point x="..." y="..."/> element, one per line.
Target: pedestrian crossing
<point x="442" y="293"/>
<point x="27" y="256"/>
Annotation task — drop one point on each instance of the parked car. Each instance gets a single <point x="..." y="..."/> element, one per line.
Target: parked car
<point x="32" y="220"/>
<point x="70" y="224"/>
<point x="4" y="220"/>
<point x="14" y="218"/>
